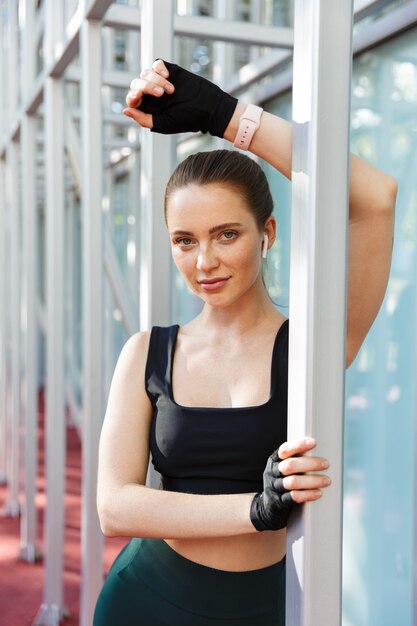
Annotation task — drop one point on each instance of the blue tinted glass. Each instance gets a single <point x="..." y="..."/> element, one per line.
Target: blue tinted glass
<point x="380" y="385"/>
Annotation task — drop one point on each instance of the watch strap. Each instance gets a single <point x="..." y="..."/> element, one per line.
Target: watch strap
<point x="248" y="124"/>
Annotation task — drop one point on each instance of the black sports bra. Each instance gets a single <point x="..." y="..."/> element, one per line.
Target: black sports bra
<point x="213" y="450"/>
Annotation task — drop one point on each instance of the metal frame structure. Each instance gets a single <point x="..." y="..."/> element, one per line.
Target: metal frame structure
<point x="37" y="95"/>
<point x="319" y="217"/>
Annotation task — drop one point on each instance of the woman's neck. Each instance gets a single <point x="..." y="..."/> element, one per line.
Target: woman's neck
<point x="253" y="309"/>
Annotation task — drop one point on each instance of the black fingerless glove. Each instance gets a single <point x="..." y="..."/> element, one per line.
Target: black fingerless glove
<point x="195" y="105"/>
<point x="270" y="509"/>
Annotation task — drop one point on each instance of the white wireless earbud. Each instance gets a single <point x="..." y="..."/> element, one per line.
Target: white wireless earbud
<point x="265" y="246"/>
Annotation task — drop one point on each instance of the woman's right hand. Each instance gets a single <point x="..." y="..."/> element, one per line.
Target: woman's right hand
<point x="153" y="82"/>
<point x="184" y="103"/>
<point x="287" y="480"/>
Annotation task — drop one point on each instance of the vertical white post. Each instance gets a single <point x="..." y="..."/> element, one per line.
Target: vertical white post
<point x="3" y="329"/>
<point x="12" y="506"/>
<point x="3" y="284"/>
<point x="28" y="549"/>
<point x="223" y="54"/>
<point x="52" y="608"/>
<point x="321" y="107"/>
<point x="92" y="155"/>
<point x="12" y="59"/>
<point x="156" y="167"/>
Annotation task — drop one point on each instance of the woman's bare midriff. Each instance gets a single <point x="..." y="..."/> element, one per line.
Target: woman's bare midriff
<point x="234" y="554"/>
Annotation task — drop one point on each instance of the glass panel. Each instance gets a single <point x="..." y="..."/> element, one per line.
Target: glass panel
<point x="380" y="385"/>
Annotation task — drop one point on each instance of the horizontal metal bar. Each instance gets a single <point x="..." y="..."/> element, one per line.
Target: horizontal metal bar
<point x="234" y="31"/>
<point x="112" y="78"/>
<point x="97" y="9"/>
<point x="208" y="28"/>
<point x="364" y="8"/>
<point x="387" y="27"/>
<point x="122" y="18"/>
<point x="253" y="72"/>
<point x="36" y="96"/>
<point x="395" y="22"/>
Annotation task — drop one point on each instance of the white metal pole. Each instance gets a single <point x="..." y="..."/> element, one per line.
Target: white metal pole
<point x="223" y="54"/>
<point x="12" y="506"/>
<point x="92" y="155"/>
<point x="156" y="167"/>
<point x="3" y="328"/>
<point x="28" y="549"/>
<point x="3" y="280"/>
<point x="52" y="608"/>
<point x="321" y="108"/>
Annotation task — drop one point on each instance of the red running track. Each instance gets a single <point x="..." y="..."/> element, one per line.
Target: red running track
<point x="21" y="583"/>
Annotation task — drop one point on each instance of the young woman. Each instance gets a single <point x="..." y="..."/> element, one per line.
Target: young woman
<point x="208" y="400"/>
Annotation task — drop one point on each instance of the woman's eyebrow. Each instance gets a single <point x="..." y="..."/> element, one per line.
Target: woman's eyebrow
<point x="212" y="230"/>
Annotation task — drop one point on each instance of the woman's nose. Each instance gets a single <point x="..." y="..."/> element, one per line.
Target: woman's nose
<point x="206" y="260"/>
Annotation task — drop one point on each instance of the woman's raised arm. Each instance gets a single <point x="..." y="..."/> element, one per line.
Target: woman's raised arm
<point x="372" y="193"/>
<point x="372" y="196"/>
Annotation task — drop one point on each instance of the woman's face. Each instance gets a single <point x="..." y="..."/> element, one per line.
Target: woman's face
<point x="216" y="243"/>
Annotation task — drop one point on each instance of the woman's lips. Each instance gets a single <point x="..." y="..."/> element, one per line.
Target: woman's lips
<point x="211" y="284"/>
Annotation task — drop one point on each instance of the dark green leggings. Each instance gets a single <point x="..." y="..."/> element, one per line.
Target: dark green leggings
<point x="149" y="584"/>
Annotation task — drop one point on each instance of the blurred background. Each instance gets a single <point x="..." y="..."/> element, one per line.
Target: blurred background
<point x="85" y="263"/>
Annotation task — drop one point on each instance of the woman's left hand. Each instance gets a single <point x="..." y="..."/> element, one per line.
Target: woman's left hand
<point x="300" y="472"/>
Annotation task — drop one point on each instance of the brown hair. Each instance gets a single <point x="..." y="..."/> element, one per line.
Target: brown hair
<point x="230" y="168"/>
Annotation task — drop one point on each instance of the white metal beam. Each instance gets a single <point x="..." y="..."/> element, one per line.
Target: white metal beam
<point x="29" y="551"/>
<point x="3" y="330"/>
<point x="386" y="27"/>
<point x="12" y="506"/>
<point x="157" y="158"/>
<point x="52" y="608"/>
<point x="156" y="166"/>
<point x="12" y="201"/>
<point x="92" y="153"/>
<point x="233" y="31"/>
<point x="209" y="28"/>
<point x="322" y="59"/>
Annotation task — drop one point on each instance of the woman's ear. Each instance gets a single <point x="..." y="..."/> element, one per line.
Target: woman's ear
<point x="270" y="229"/>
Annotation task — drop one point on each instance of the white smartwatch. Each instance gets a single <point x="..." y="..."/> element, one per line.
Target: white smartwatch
<point x="249" y="123"/>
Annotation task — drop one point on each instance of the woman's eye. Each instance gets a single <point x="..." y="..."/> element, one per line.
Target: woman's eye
<point x="183" y="241"/>
<point x="229" y="234"/>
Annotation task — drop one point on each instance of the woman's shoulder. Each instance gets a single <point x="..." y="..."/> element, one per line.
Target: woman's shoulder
<point x="135" y="349"/>
<point x="137" y="345"/>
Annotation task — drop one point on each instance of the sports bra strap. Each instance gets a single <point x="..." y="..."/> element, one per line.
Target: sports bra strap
<point x="158" y="363"/>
